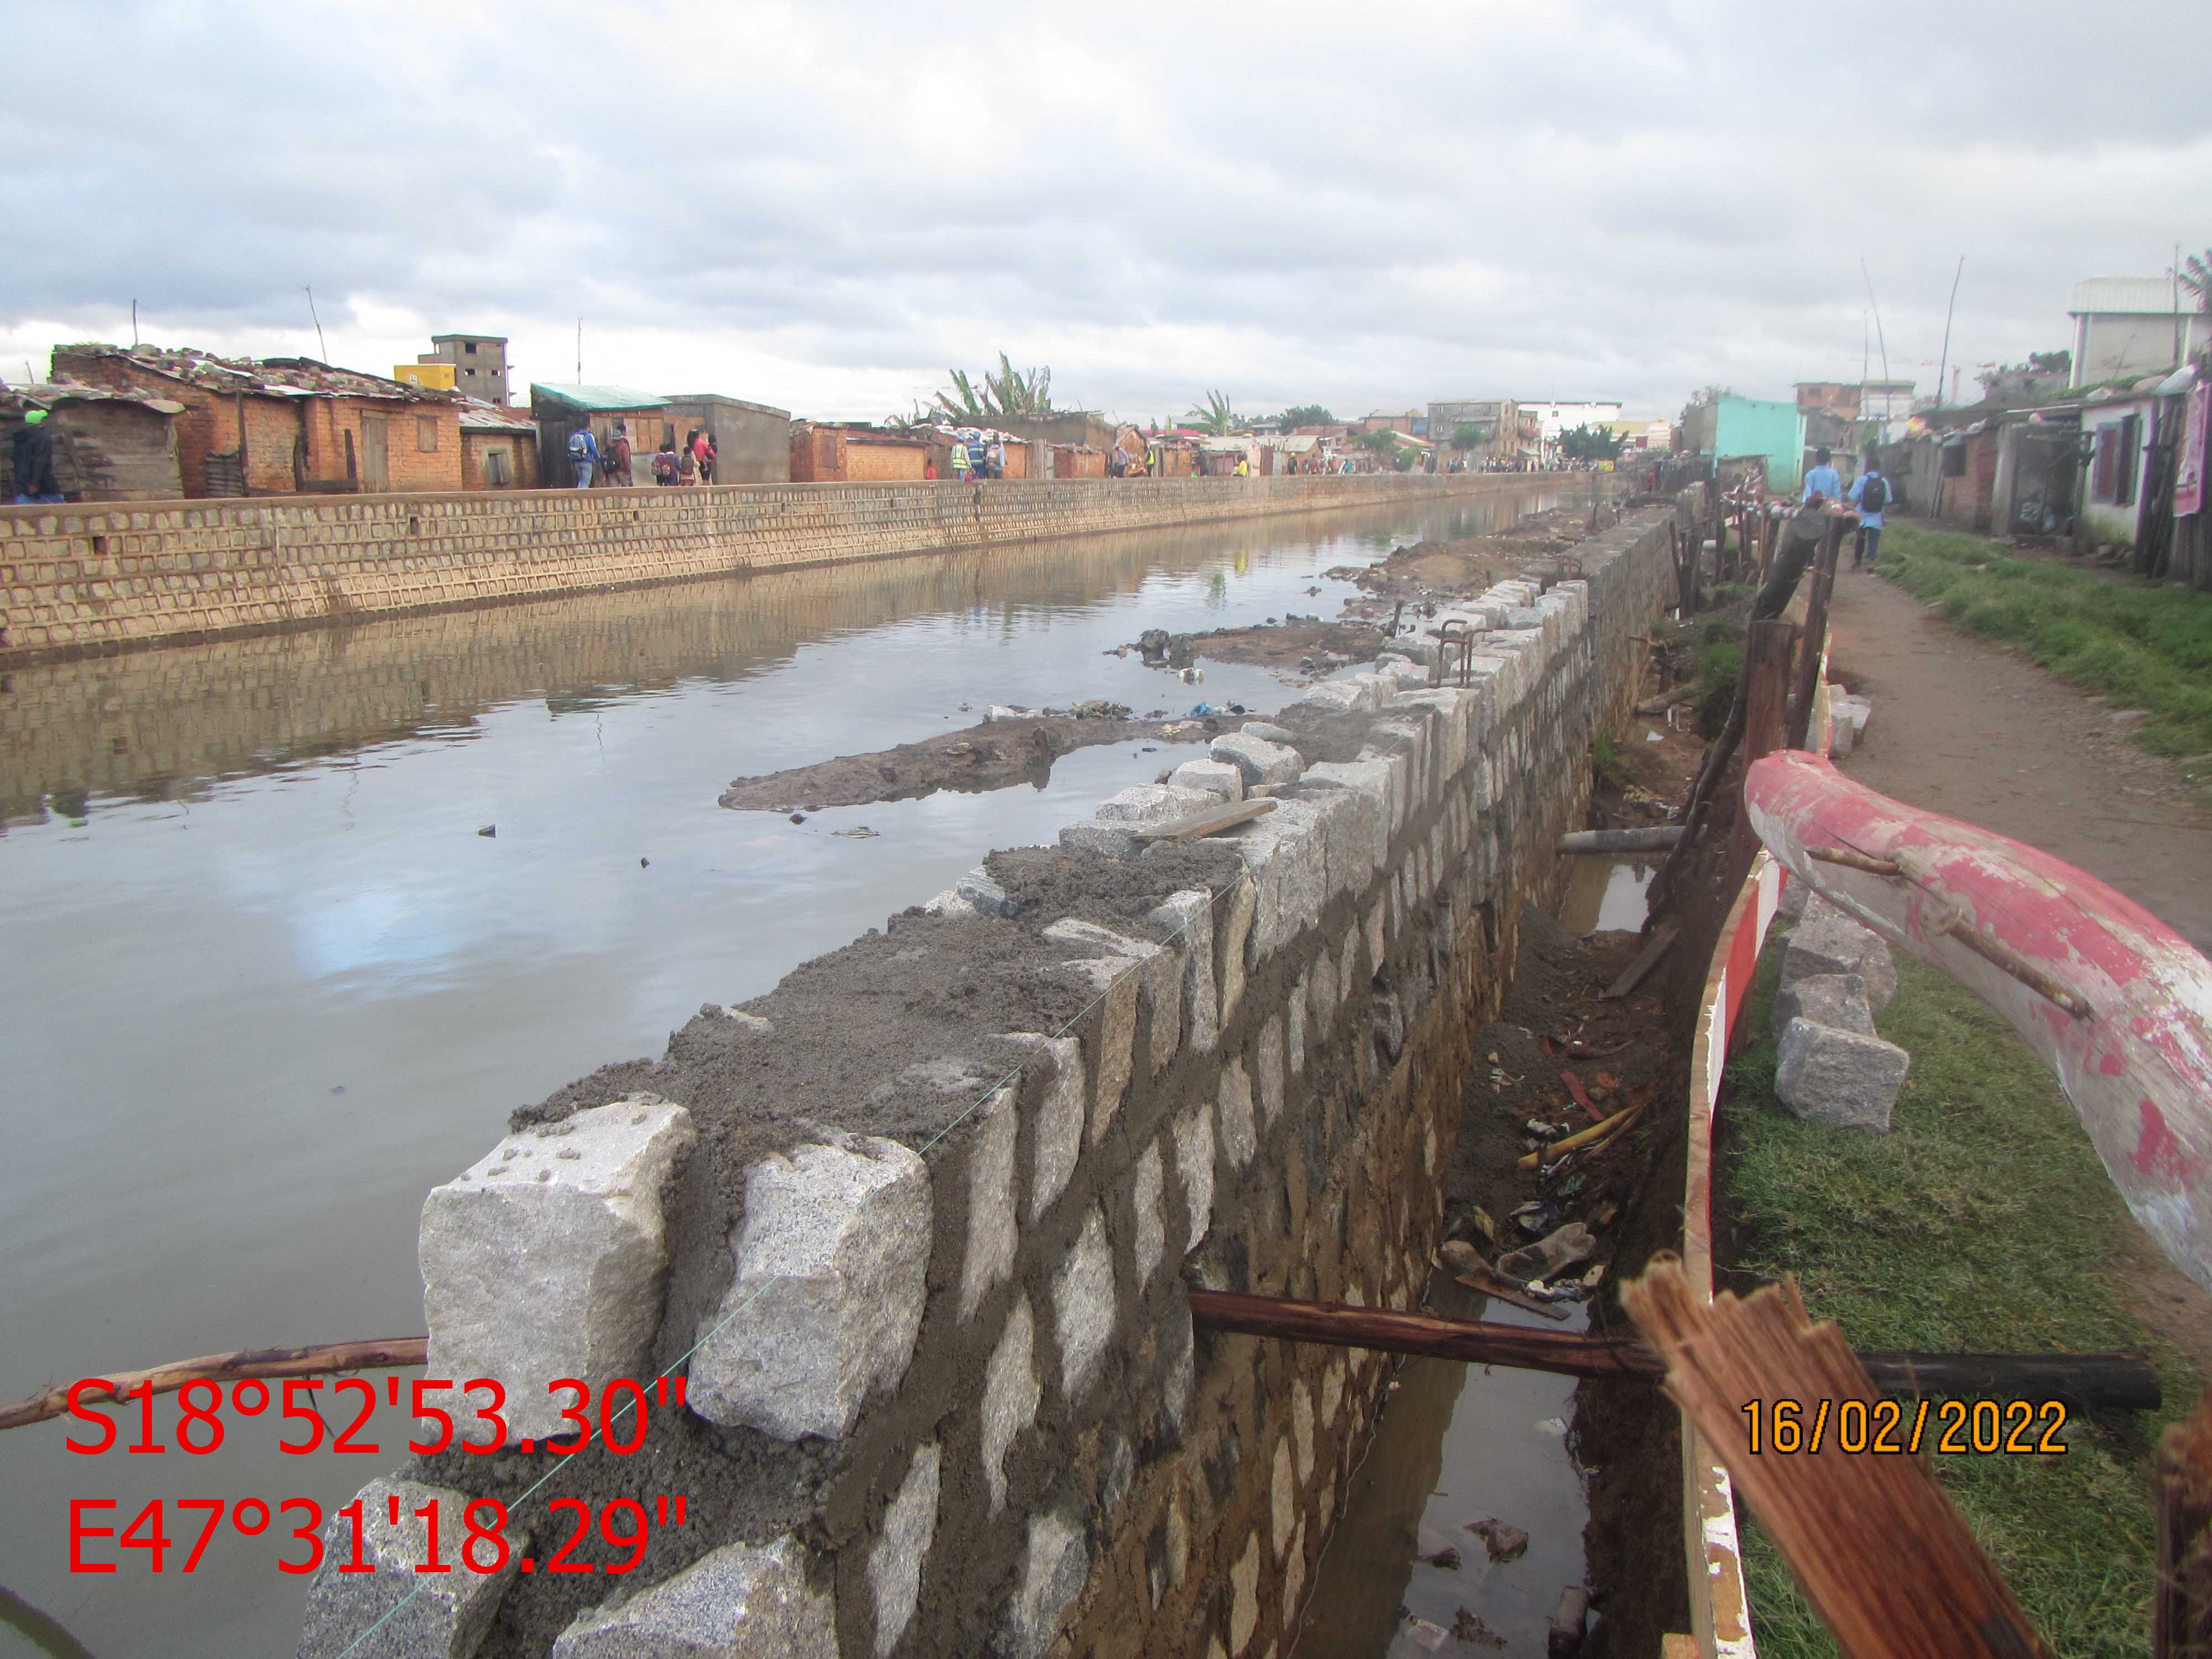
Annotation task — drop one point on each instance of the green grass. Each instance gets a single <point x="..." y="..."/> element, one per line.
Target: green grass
<point x="2143" y="646"/>
<point x="1982" y="1220"/>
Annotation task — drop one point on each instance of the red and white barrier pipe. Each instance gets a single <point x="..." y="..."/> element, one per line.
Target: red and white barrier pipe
<point x="2114" y="1001"/>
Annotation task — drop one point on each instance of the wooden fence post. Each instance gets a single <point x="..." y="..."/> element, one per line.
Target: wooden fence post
<point x="1816" y="634"/>
<point x="1766" y="651"/>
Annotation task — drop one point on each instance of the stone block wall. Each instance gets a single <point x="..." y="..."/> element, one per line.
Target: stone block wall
<point x="916" y="1228"/>
<point x="73" y="579"/>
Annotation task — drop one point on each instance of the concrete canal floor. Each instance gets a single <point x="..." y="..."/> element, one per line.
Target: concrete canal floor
<point x="266" y="983"/>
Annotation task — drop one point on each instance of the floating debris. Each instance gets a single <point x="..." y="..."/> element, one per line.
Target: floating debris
<point x="1505" y="1541"/>
<point x="858" y="832"/>
<point x="1469" y="1627"/>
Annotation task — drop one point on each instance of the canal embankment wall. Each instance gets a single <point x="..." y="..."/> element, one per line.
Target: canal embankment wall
<point x="96" y="578"/>
<point x="916" y="1228"/>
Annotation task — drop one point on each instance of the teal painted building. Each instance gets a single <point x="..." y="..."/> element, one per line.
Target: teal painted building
<point x="1763" y="426"/>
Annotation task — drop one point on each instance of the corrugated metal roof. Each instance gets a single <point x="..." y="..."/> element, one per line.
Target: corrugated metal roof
<point x="478" y="416"/>
<point x="2129" y="296"/>
<point x="283" y="377"/>
<point x="45" y="394"/>
<point x="597" y="397"/>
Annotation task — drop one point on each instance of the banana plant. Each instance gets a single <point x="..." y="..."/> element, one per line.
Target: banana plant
<point x="1215" y="415"/>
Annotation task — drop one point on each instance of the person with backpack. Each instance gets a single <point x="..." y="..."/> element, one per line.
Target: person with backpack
<point x="1871" y="495"/>
<point x="617" y="458"/>
<point x="1822" y="479"/>
<point x="664" y="463"/>
<point x="584" y="451"/>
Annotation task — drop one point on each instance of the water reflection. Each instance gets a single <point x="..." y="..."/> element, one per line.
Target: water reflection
<point x="265" y="982"/>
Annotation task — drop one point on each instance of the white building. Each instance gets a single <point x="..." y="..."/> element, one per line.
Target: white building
<point x="2128" y="326"/>
<point x="1553" y="418"/>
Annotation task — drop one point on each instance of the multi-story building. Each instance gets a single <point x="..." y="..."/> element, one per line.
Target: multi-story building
<point x="2131" y="326"/>
<point x="1498" y="417"/>
<point x="1554" y="417"/>
<point x="479" y="363"/>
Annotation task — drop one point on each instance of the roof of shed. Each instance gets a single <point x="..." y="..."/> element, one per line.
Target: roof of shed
<point x="2130" y="295"/>
<point x="45" y="394"/>
<point x="278" y="376"/>
<point x="597" y="396"/>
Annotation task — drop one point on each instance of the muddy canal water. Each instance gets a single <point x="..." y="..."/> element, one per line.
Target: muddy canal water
<point x="266" y="983"/>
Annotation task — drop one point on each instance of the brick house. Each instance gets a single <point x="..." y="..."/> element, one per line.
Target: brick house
<point x="499" y="447"/>
<point x="108" y="446"/>
<point x="282" y="426"/>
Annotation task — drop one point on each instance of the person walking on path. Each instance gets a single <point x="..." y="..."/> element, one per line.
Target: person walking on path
<point x="618" y="469"/>
<point x="960" y="460"/>
<point x="1823" y="480"/>
<point x="664" y="462"/>
<point x="702" y="455"/>
<point x="1869" y="493"/>
<point x="584" y="451"/>
<point x="34" y="461"/>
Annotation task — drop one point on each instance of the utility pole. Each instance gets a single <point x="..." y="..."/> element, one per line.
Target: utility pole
<point x="1944" y="362"/>
<point x="134" y="325"/>
<point x="1876" y="303"/>
<point x="321" y="350"/>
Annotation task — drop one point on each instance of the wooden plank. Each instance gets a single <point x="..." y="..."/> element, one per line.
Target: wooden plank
<point x="1661" y="940"/>
<point x="1208" y="823"/>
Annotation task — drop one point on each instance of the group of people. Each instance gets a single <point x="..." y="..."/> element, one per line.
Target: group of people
<point x="612" y="467"/>
<point x="1869" y="493"/>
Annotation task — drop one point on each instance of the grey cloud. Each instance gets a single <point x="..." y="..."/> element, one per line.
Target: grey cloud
<point x="1413" y="202"/>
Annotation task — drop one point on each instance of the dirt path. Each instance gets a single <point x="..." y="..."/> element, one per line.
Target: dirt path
<point x="1977" y="731"/>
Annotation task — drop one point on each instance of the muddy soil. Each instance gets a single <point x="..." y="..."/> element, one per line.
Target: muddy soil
<point x="1303" y="645"/>
<point x="1557" y="1044"/>
<point x="1468" y="564"/>
<point x="991" y="755"/>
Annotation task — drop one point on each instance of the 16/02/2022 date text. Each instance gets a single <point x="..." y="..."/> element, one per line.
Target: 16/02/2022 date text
<point x="617" y="1420"/>
<point x="1882" y="1427"/>
<point x="623" y="1525"/>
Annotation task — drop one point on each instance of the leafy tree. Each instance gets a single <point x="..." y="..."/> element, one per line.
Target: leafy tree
<point x="1215" y="415"/>
<point x="2196" y="276"/>
<point x="1383" y="447"/>
<point x="1470" y="434"/>
<point x="1300" y="415"/>
<point x="1009" y="390"/>
<point x="1591" y="443"/>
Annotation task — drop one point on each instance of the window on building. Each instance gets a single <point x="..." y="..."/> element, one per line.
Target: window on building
<point x="495" y="466"/>
<point x="426" y="434"/>
<point x="470" y="346"/>
<point x="2130" y="447"/>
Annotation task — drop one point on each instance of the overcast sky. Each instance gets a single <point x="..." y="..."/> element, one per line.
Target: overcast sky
<point x="824" y="206"/>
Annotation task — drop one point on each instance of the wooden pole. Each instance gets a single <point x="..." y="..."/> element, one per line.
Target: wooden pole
<point x="2181" y="1608"/>
<point x="1766" y="649"/>
<point x="1816" y="634"/>
<point x="1879" y="1551"/>
<point x="2101" y="1380"/>
<point x="381" y="1354"/>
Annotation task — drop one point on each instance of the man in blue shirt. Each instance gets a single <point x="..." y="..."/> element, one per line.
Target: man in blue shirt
<point x="1870" y="494"/>
<point x="584" y="451"/>
<point x="1823" y="480"/>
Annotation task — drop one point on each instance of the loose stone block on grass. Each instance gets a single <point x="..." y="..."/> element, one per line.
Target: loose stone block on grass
<point x="1838" y="1001"/>
<point x="1827" y="941"/>
<point x="1842" y="1078"/>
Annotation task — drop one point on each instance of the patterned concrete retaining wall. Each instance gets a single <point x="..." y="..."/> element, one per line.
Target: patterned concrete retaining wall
<point x="80" y="579"/>
<point x="915" y="1228"/>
